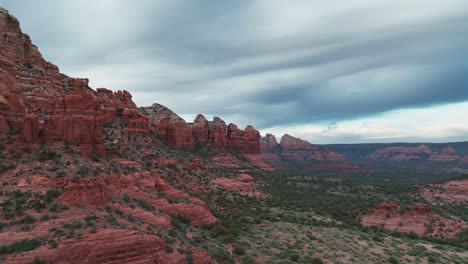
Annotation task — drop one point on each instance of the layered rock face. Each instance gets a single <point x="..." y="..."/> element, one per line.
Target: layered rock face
<point x="200" y="129"/>
<point x="292" y="151"/>
<point x="244" y="141"/>
<point x="45" y="105"/>
<point x="216" y="134"/>
<point x="169" y="126"/>
<point x="417" y="218"/>
<point x="268" y="143"/>
<point x="402" y="153"/>
<point x="296" y="149"/>
<point x="48" y="106"/>
<point x="453" y="192"/>
<point x="446" y="155"/>
<point x="421" y="152"/>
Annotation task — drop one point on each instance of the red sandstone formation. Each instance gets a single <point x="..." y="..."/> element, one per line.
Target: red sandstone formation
<point x="258" y="161"/>
<point x="454" y="192"/>
<point x="122" y="246"/>
<point x="331" y="155"/>
<point x="200" y="129"/>
<point x="48" y="106"/>
<point x="291" y="143"/>
<point x="174" y="130"/>
<point x="244" y="141"/>
<point x="244" y="184"/>
<point x="418" y="219"/>
<point x="169" y="126"/>
<point x="446" y="155"/>
<point x="401" y="153"/>
<point x="299" y="151"/>
<point x="218" y="134"/>
<point x="296" y="149"/>
<point x="268" y="143"/>
<point x="96" y="192"/>
<point x="422" y="152"/>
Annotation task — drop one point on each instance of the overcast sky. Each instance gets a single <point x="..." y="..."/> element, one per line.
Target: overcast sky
<point x="327" y="71"/>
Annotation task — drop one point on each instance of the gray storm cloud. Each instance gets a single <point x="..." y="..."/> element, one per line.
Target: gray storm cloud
<point x="268" y="63"/>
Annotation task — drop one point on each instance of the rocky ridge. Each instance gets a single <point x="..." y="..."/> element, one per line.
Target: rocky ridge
<point x="49" y="120"/>
<point x="45" y="105"/>
<point x="292" y="151"/>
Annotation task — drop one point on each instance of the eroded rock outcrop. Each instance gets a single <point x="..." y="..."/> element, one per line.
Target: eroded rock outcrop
<point x="200" y="129"/>
<point x="45" y="105"/>
<point x="452" y="192"/>
<point x="417" y="218"/>
<point x="292" y="152"/>
<point x="269" y="143"/>
<point x="402" y="153"/>
<point x="244" y="141"/>
<point x="218" y="134"/>
<point x="169" y="126"/>
<point x="448" y="154"/>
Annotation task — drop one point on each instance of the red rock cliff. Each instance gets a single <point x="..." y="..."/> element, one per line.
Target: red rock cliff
<point x="169" y="126"/>
<point x="46" y="105"/>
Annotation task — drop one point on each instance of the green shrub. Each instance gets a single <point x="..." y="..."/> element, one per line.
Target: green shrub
<point x="26" y="220"/>
<point x="50" y="195"/>
<point x="73" y="225"/>
<point x="21" y="246"/>
<point x="95" y="157"/>
<point x="393" y="260"/>
<point x="52" y="243"/>
<point x="143" y="204"/>
<point x="45" y="154"/>
<point x="248" y="260"/>
<point x="169" y="249"/>
<point x="37" y="260"/>
<point x="239" y="250"/>
<point x="316" y="261"/>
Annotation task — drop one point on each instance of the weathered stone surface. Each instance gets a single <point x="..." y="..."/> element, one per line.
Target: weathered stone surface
<point x="268" y="143"/>
<point x="169" y="126"/>
<point x="218" y="134"/>
<point x="454" y="192"/>
<point x="244" y="141"/>
<point x="294" y="151"/>
<point x="402" y="153"/>
<point x="417" y="218"/>
<point x="200" y="129"/>
<point x="292" y="143"/>
<point x="48" y="106"/>
<point x="96" y="192"/>
<point x="331" y="155"/>
<point x="448" y="154"/>
<point x="122" y="246"/>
